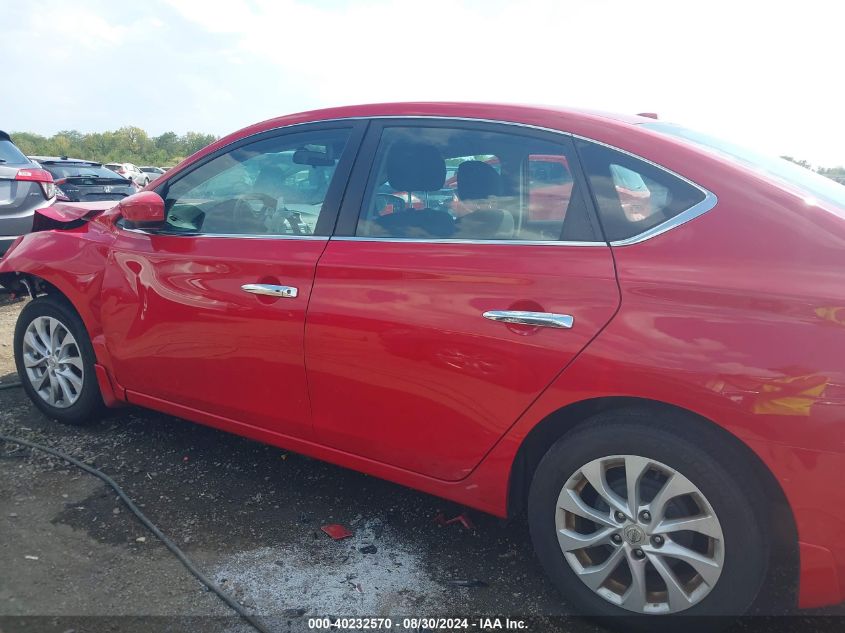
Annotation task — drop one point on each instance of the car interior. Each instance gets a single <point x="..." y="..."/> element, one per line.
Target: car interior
<point x="429" y="183"/>
<point x="251" y="191"/>
<point x="495" y="192"/>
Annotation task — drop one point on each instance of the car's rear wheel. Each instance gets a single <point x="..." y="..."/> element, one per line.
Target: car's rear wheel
<point x="55" y="361"/>
<point x="629" y="516"/>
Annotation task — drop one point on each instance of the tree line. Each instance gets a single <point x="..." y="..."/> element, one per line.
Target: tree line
<point x="126" y="145"/>
<point x="834" y="173"/>
<point x="132" y="144"/>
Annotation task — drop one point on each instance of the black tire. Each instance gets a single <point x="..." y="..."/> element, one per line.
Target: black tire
<point x="89" y="404"/>
<point x="702" y="455"/>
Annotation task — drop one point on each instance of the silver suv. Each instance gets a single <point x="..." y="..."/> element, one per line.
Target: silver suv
<point x="24" y="187"/>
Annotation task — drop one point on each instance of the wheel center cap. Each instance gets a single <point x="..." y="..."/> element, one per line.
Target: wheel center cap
<point x="51" y="362"/>
<point x="634" y="535"/>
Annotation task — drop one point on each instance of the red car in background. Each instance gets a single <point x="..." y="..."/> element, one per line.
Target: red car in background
<point x="550" y="182"/>
<point x="640" y="341"/>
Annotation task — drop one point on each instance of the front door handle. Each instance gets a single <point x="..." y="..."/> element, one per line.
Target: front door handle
<point x="288" y="292"/>
<point x="537" y="319"/>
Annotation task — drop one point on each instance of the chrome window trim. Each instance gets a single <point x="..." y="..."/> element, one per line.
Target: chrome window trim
<point x="446" y="240"/>
<point x="709" y="202"/>
<point x="248" y="236"/>
<point x="683" y="217"/>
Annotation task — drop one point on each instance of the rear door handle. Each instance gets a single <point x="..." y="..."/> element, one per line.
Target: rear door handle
<point x="288" y="292"/>
<point x="537" y="319"/>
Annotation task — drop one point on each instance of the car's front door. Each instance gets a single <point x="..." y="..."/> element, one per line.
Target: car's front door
<point x="413" y="355"/>
<point x="207" y="312"/>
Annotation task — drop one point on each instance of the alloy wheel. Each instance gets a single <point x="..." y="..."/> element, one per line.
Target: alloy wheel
<point x="639" y="534"/>
<point x="53" y="362"/>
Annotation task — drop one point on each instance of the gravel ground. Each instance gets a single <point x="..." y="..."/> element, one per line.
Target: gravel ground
<point x="249" y="515"/>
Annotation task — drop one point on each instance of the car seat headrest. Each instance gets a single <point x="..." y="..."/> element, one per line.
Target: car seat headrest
<point x="415" y="167"/>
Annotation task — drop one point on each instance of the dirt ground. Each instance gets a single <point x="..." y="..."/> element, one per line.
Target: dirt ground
<point x="72" y="558"/>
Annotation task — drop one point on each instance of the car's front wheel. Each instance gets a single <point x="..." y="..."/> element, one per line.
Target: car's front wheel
<point x="631" y="515"/>
<point x="55" y="361"/>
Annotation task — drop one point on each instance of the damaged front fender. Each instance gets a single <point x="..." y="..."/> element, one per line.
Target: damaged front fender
<point x="65" y="215"/>
<point x="16" y="263"/>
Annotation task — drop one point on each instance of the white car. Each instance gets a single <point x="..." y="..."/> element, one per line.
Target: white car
<point x="133" y="172"/>
<point x="152" y="171"/>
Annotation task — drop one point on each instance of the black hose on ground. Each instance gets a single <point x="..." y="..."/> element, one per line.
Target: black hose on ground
<point x="258" y="626"/>
<point x="10" y="385"/>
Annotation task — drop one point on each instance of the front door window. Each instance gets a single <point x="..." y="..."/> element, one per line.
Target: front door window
<point x="276" y="186"/>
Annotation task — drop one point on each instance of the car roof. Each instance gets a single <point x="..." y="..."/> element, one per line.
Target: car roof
<point x="538" y="115"/>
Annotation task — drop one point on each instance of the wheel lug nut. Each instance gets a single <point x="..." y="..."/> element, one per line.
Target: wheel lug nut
<point x="639" y="553"/>
<point x="657" y="540"/>
<point x="645" y="516"/>
<point x="620" y="516"/>
<point x="616" y="538"/>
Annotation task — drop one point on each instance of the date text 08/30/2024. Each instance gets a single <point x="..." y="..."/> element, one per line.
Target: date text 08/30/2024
<point x="417" y="623"/>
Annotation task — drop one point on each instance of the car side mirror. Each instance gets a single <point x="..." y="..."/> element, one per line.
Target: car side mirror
<point x="144" y="207"/>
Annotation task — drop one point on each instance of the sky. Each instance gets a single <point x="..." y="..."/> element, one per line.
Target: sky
<point x="764" y="74"/>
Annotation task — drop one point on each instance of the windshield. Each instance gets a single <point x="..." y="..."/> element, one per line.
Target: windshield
<point x="815" y="184"/>
<point x="70" y="170"/>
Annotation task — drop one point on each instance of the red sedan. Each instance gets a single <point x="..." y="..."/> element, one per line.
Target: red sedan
<point x="661" y="390"/>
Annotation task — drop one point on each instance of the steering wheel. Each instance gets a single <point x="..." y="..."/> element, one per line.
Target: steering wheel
<point x="246" y="218"/>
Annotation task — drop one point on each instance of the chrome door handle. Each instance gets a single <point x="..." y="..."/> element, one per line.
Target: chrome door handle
<point x="538" y="319"/>
<point x="288" y="292"/>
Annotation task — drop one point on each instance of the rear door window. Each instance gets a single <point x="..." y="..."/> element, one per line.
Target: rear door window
<point x="549" y="186"/>
<point x="485" y="183"/>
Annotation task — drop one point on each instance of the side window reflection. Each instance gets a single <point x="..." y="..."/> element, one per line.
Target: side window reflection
<point x="451" y="183"/>
<point x="276" y="186"/>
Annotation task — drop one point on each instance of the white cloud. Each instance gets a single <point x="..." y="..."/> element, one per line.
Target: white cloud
<point x="762" y="73"/>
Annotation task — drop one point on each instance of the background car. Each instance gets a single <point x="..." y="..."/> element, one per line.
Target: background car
<point x="128" y="170"/>
<point x="80" y="180"/>
<point x="24" y="187"/>
<point x="660" y="387"/>
<point x="151" y="171"/>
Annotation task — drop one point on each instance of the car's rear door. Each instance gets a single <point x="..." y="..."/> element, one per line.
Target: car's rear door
<point x="407" y="363"/>
<point x="208" y="311"/>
